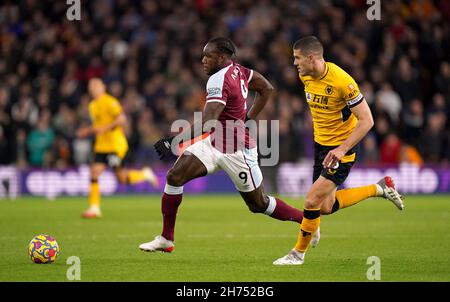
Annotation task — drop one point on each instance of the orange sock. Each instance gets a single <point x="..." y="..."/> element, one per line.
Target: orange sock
<point x="135" y="176"/>
<point x="94" y="194"/>
<point x="310" y="224"/>
<point x="349" y="197"/>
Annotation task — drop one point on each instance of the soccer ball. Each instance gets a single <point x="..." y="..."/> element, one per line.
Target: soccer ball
<point x="43" y="249"/>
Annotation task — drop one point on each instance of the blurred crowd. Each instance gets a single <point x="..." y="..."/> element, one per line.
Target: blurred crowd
<point x="149" y="54"/>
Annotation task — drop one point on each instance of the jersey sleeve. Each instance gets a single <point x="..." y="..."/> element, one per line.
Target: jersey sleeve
<point x="115" y="108"/>
<point x="91" y="112"/>
<point x="350" y="92"/>
<point x="248" y="73"/>
<point x="217" y="89"/>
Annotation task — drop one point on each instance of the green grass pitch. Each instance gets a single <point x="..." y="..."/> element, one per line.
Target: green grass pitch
<point x="218" y="239"/>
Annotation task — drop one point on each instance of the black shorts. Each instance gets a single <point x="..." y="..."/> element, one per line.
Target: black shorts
<point x="112" y="160"/>
<point x="339" y="175"/>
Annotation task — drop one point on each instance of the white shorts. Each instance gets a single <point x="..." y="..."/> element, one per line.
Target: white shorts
<point x="241" y="166"/>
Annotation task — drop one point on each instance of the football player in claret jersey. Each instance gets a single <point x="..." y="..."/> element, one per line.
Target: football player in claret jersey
<point x="111" y="145"/>
<point x="341" y="118"/>
<point x="227" y="90"/>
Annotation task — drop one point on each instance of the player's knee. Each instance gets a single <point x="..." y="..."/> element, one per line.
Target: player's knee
<point x="326" y="210"/>
<point x="123" y="179"/>
<point x="174" y="179"/>
<point x="313" y="200"/>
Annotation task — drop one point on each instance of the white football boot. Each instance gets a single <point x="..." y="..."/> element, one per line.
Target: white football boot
<point x="316" y="238"/>
<point x="389" y="192"/>
<point x="151" y="177"/>
<point x="159" y="244"/>
<point x="293" y="258"/>
<point x="92" y="212"/>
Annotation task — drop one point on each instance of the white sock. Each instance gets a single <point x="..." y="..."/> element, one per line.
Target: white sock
<point x="271" y="206"/>
<point x="171" y="190"/>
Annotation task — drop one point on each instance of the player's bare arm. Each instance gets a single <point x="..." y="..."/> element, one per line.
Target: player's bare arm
<point x="265" y="92"/>
<point x="211" y="112"/>
<point x="120" y="121"/>
<point x="364" y="124"/>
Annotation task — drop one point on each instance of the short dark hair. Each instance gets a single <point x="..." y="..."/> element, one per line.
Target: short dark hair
<point x="308" y="45"/>
<point x="224" y="45"/>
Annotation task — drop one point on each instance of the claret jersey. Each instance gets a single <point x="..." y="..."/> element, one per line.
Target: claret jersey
<point x="229" y="86"/>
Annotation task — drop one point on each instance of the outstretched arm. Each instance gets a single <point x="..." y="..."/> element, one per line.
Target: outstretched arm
<point x="365" y="122"/>
<point x="265" y="91"/>
<point x="120" y="120"/>
<point x="211" y="112"/>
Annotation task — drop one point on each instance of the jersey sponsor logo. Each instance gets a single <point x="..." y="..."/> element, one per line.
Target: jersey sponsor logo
<point x="317" y="101"/>
<point x="355" y="100"/>
<point x="352" y="94"/>
<point x="214" y="92"/>
<point x="351" y="87"/>
<point x="308" y="96"/>
<point x="328" y="90"/>
<point x="331" y="171"/>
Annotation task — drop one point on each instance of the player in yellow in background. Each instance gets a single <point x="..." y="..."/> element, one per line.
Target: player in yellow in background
<point x="110" y="146"/>
<point x="341" y="118"/>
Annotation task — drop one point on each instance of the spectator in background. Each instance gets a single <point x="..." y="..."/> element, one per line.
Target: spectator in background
<point x="148" y="47"/>
<point x="410" y="155"/>
<point x="413" y="122"/>
<point x="390" y="149"/>
<point x="21" y="149"/>
<point x="389" y="101"/>
<point x="382" y="126"/>
<point x="40" y="142"/>
<point x="369" y="154"/>
<point x="24" y="112"/>
<point x="7" y="135"/>
<point x="4" y="148"/>
<point x="442" y="80"/>
<point x="438" y="105"/>
<point x="406" y="80"/>
<point x="432" y="141"/>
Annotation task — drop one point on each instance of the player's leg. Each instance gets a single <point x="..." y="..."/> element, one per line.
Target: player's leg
<point x="96" y="170"/>
<point x="320" y="191"/>
<point x="259" y="202"/>
<point x="347" y="197"/>
<point x="196" y="161"/>
<point x="131" y="176"/>
<point x="186" y="168"/>
<point x="243" y="169"/>
<point x="134" y="176"/>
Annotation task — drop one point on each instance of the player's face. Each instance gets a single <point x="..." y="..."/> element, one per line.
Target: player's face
<point x="303" y="63"/>
<point x="212" y="59"/>
<point x="96" y="87"/>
